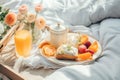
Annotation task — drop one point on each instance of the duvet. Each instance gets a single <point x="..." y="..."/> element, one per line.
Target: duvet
<point x="104" y="68"/>
<point x="102" y="17"/>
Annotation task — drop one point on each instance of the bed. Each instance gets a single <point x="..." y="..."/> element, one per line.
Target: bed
<point x="102" y="17"/>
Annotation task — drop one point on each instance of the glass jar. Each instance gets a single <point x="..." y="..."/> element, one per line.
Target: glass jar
<point x="58" y="35"/>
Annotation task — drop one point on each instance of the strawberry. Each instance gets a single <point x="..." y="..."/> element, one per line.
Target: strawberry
<point x="82" y="48"/>
<point x="92" y="52"/>
<point x="87" y="44"/>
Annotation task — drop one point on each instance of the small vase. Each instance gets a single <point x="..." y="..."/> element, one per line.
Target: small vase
<point x="36" y="34"/>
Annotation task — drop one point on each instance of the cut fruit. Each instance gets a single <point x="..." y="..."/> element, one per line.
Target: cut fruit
<point x="49" y="50"/>
<point x="94" y="46"/>
<point x="90" y="51"/>
<point x="84" y="56"/>
<point x="43" y="43"/>
<point x="82" y="49"/>
<point x="87" y="44"/>
<point x="83" y="39"/>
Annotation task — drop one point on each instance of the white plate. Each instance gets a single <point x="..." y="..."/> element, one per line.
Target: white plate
<point x="71" y="39"/>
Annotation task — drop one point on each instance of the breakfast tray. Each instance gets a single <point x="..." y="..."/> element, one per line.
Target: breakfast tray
<point x="5" y="69"/>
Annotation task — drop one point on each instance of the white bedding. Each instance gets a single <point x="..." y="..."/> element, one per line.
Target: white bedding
<point x="73" y="12"/>
<point x="85" y="12"/>
<point x="106" y="67"/>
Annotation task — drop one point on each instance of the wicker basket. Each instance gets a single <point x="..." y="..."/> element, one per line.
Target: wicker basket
<point x="9" y="34"/>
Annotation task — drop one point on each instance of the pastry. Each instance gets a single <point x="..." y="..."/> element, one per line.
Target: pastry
<point x="67" y="52"/>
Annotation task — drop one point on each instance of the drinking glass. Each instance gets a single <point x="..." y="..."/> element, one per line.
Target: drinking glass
<point x="23" y="43"/>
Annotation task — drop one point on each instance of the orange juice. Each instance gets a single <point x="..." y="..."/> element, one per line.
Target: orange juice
<point x="23" y="42"/>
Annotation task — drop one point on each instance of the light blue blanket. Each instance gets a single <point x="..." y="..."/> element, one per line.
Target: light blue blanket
<point x="85" y="12"/>
<point x="107" y="66"/>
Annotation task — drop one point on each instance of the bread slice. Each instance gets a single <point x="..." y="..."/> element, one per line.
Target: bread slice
<point x="65" y="57"/>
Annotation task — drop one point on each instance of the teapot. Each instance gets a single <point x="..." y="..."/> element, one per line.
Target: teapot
<point x="58" y="34"/>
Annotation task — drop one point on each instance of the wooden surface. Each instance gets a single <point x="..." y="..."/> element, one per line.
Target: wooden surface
<point x="10" y="73"/>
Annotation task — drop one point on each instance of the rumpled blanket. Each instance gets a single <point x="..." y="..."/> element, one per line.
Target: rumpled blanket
<point x="104" y="68"/>
<point x="85" y="12"/>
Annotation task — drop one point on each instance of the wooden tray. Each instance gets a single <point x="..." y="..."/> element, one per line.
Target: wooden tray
<point x="7" y="71"/>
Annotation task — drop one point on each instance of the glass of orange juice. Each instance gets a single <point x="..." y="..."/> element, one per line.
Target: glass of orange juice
<point x="23" y="43"/>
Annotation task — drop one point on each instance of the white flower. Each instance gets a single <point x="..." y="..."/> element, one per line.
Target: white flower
<point x="20" y="16"/>
<point x="23" y="9"/>
<point x="40" y="23"/>
<point x="31" y="17"/>
<point x="38" y="7"/>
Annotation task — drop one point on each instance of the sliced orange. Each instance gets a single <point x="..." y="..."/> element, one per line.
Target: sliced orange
<point x="94" y="46"/>
<point x="83" y="39"/>
<point x="49" y="50"/>
<point x="84" y="56"/>
<point x="43" y="43"/>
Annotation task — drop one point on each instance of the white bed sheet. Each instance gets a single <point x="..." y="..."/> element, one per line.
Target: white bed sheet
<point x="85" y="12"/>
<point x="107" y="66"/>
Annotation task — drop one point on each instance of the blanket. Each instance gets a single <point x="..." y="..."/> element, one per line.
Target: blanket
<point x="104" y="68"/>
<point x="84" y="12"/>
<point x="72" y="12"/>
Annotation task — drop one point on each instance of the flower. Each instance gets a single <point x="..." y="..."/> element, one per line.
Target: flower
<point x="38" y="8"/>
<point x="20" y="16"/>
<point x="23" y="9"/>
<point x="40" y="23"/>
<point x="10" y="19"/>
<point x="31" y="18"/>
